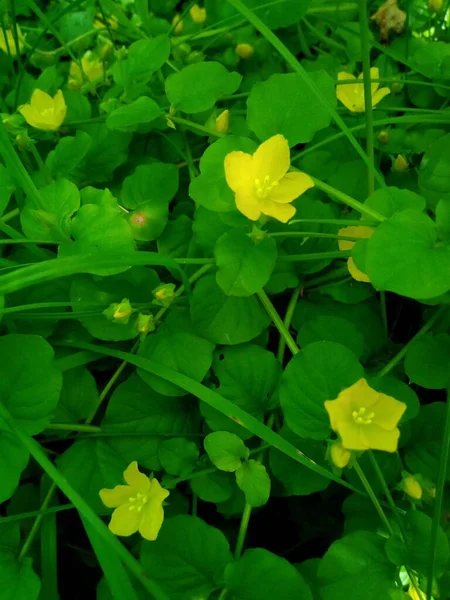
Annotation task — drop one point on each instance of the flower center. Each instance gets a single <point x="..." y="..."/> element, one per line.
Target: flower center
<point x="137" y="502"/>
<point x="264" y="187"/>
<point x="48" y="112"/>
<point x="361" y="417"/>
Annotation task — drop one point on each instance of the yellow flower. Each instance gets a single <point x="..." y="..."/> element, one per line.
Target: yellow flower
<point x="365" y="418"/>
<point x="412" y="593"/>
<point x="139" y="505"/>
<point x="45" y="112"/>
<point x="223" y="121"/>
<point x="245" y="50"/>
<point x="435" y="5"/>
<point x="362" y="232"/>
<point x="92" y="68"/>
<point x="178" y="24"/>
<point x="261" y="182"/>
<point x="400" y="164"/>
<point x="340" y="456"/>
<point x="412" y="487"/>
<point x="198" y="15"/>
<point x="111" y="20"/>
<point x="8" y="41"/>
<point x="352" y="94"/>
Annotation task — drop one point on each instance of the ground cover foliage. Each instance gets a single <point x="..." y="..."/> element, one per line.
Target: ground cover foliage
<point x="224" y="290"/>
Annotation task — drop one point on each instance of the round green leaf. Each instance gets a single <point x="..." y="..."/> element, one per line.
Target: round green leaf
<point x="188" y="559"/>
<point x="178" y="456"/>
<point x="390" y="200"/>
<point x="225" y="450"/>
<point x="30" y="382"/>
<point x="427" y="361"/>
<point x="15" y="459"/>
<point x="18" y="581"/>
<point x="144" y="58"/>
<point x="434" y="174"/>
<point x="213" y="487"/>
<point x="78" y="397"/>
<point x="197" y="87"/>
<point x="254" y="481"/>
<point x="140" y="112"/>
<point x="402" y="257"/>
<point x="225" y="319"/>
<point x="332" y="329"/>
<point x="244" y="264"/>
<point x="317" y="373"/>
<point x="284" y="104"/>
<point x="260" y="575"/>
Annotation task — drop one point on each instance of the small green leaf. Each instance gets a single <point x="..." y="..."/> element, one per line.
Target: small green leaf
<point x="188" y="559"/>
<point x="140" y="112"/>
<point x="65" y="159"/>
<point x="18" y="581"/>
<point x="197" y="87"/>
<point x="109" y="150"/>
<point x="333" y="329"/>
<point x="178" y="456"/>
<point x="7" y="187"/>
<point x="426" y="361"/>
<point x="434" y="174"/>
<point x="144" y="58"/>
<point x="244" y="264"/>
<point x="213" y="487"/>
<point x="78" y="397"/>
<point x="390" y="200"/>
<point x="226" y="450"/>
<point x="254" y="481"/>
<point x="443" y="219"/>
<point x="15" y="459"/>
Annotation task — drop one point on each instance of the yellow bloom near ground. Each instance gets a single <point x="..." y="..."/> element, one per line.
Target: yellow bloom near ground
<point x="352" y="94"/>
<point x="366" y="419"/>
<point x="360" y="231"/>
<point x="138" y="505"/>
<point x="44" y="112"/>
<point x="92" y="68"/>
<point x="261" y="182"/>
<point x="198" y="14"/>
<point x="7" y="41"/>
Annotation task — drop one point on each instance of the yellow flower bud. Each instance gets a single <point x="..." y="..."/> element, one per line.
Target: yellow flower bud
<point x="44" y="112"/>
<point x="222" y="121"/>
<point x="8" y="41"/>
<point x="178" y="24"/>
<point x="119" y="312"/>
<point x="145" y="323"/>
<point x="245" y="51"/>
<point x="198" y="15"/>
<point x="164" y="294"/>
<point x="340" y="456"/>
<point x="383" y="137"/>
<point x="400" y="164"/>
<point x="412" y="487"/>
<point x="435" y="5"/>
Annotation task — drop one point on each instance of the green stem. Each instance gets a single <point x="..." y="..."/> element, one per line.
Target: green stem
<point x="242" y="530"/>
<point x="384" y="314"/>
<point x="437" y="514"/>
<point x="400" y="356"/>
<point x="195" y="126"/>
<point x="74" y="427"/>
<point x="314" y="234"/>
<point x="40" y="163"/>
<point x="314" y="256"/>
<point x="12" y="214"/>
<point x="332" y="276"/>
<point x="349" y="201"/>
<point x="373" y="497"/>
<point x="365" y="51"/>
<point x="278" y="322"/>
<point x="287" y="322"/>
<point x="342" y="222"/>
<point x="35" y="513"/>
<point x="37" y="523"/>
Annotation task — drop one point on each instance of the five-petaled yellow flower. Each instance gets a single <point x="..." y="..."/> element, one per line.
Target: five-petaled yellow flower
<point x="366" y="419"/>
<point x="139" y="505"/>
<point x="8" y="43"/>
<point x="362" y="232"/>
<point x="92" y="68"/>
<point x="352" y="94"/>
<point x="45" y="112"/>
<point x="261" y="182"/>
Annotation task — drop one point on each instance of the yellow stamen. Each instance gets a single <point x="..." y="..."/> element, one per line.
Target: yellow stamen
<point x="360" y="416"/>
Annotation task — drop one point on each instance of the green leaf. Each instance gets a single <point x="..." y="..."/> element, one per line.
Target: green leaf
<point x="296" y="478"/>
<point x="29" y="397"/>
<point x="213" y="487"/>
<point x="188" y="559"/>
<point x="356" y="562"/>
<point x="90" y="465"/>
<point x="413" y="551"/>
<point x="254" y="481"/>
<point x="62" y="200"/>
<point x="283" y="104"/>
<point x="15" y="459"/>
<point x="260" y="575"/>
<point x="69" y="152"/>
<point x="175" y="345"/>
<point x="333" y="329"/>
<point x="317" y="373"/>
<point x="226" y="450"/>
<point x="142" y="111"/>
<point x="387" y="201"/>
<point x="197" y="87"/>
<point x="178" y="456"/>
<point x="78" y="397"/>
<point x="402" y="257"/>
<point x="210" y="188"/>
<point x="18" y="581"/>
<point x="426" y="361"/>
<point x="443" y="219"/>
<point x="147" y="418"/>
<point x="434" y="174"/>
<point x="225" y="319"/>
<point x="244" y="264"/>
<point x="144" y="58"/>
<point x="109" y="149"/>
<point x="91" y="296"/>
<point x="7" y="187"/>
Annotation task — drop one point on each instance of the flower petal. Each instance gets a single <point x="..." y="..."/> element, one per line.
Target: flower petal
<point x="136" y="479"/>
<point x="30" y="115"/>
<point x="41" y="101"/>
<point x="359" y="231"/>
<point x="124" y="521"/>
<point x="115" y="497"/>
<point x="248" y="205"/>
<point x="379" y="95"/>
<point x="374" y="74"/>
<point x="280" y="212"/>
<point x="355" y="272"/>
<point x="378" y="438"/>
<point x="388" y="411"/>
<point x="272" y="159"/>
<point x="351" y="95"/>
<point x="290" y="187"/>
<point x="339" y="411"/>
<point x="152" y="519"/>
<point x="352" y="438"/>
<point x="60" y="108"/>
<point x="239" y="171"/>
<point x="157" y="493"/>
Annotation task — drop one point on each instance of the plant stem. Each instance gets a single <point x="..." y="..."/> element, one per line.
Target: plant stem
<point x="313" y="234"/>
<point x="443" y="463"/>
<point x="365" y="51"/>
<point x="74" y="427"/>
<point x="287" y="322"/>
<point x="35" y="513"/>
<point x="37" y="523"/>
<point x="10" y="215"/>
<point x="373" y="497"/>
<point x="195" y="126"/>
<point x="278" y="322"/>
<point x="384" y="314"/>
<point x="242" y="530"/>
<point x="349" y="201"/>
